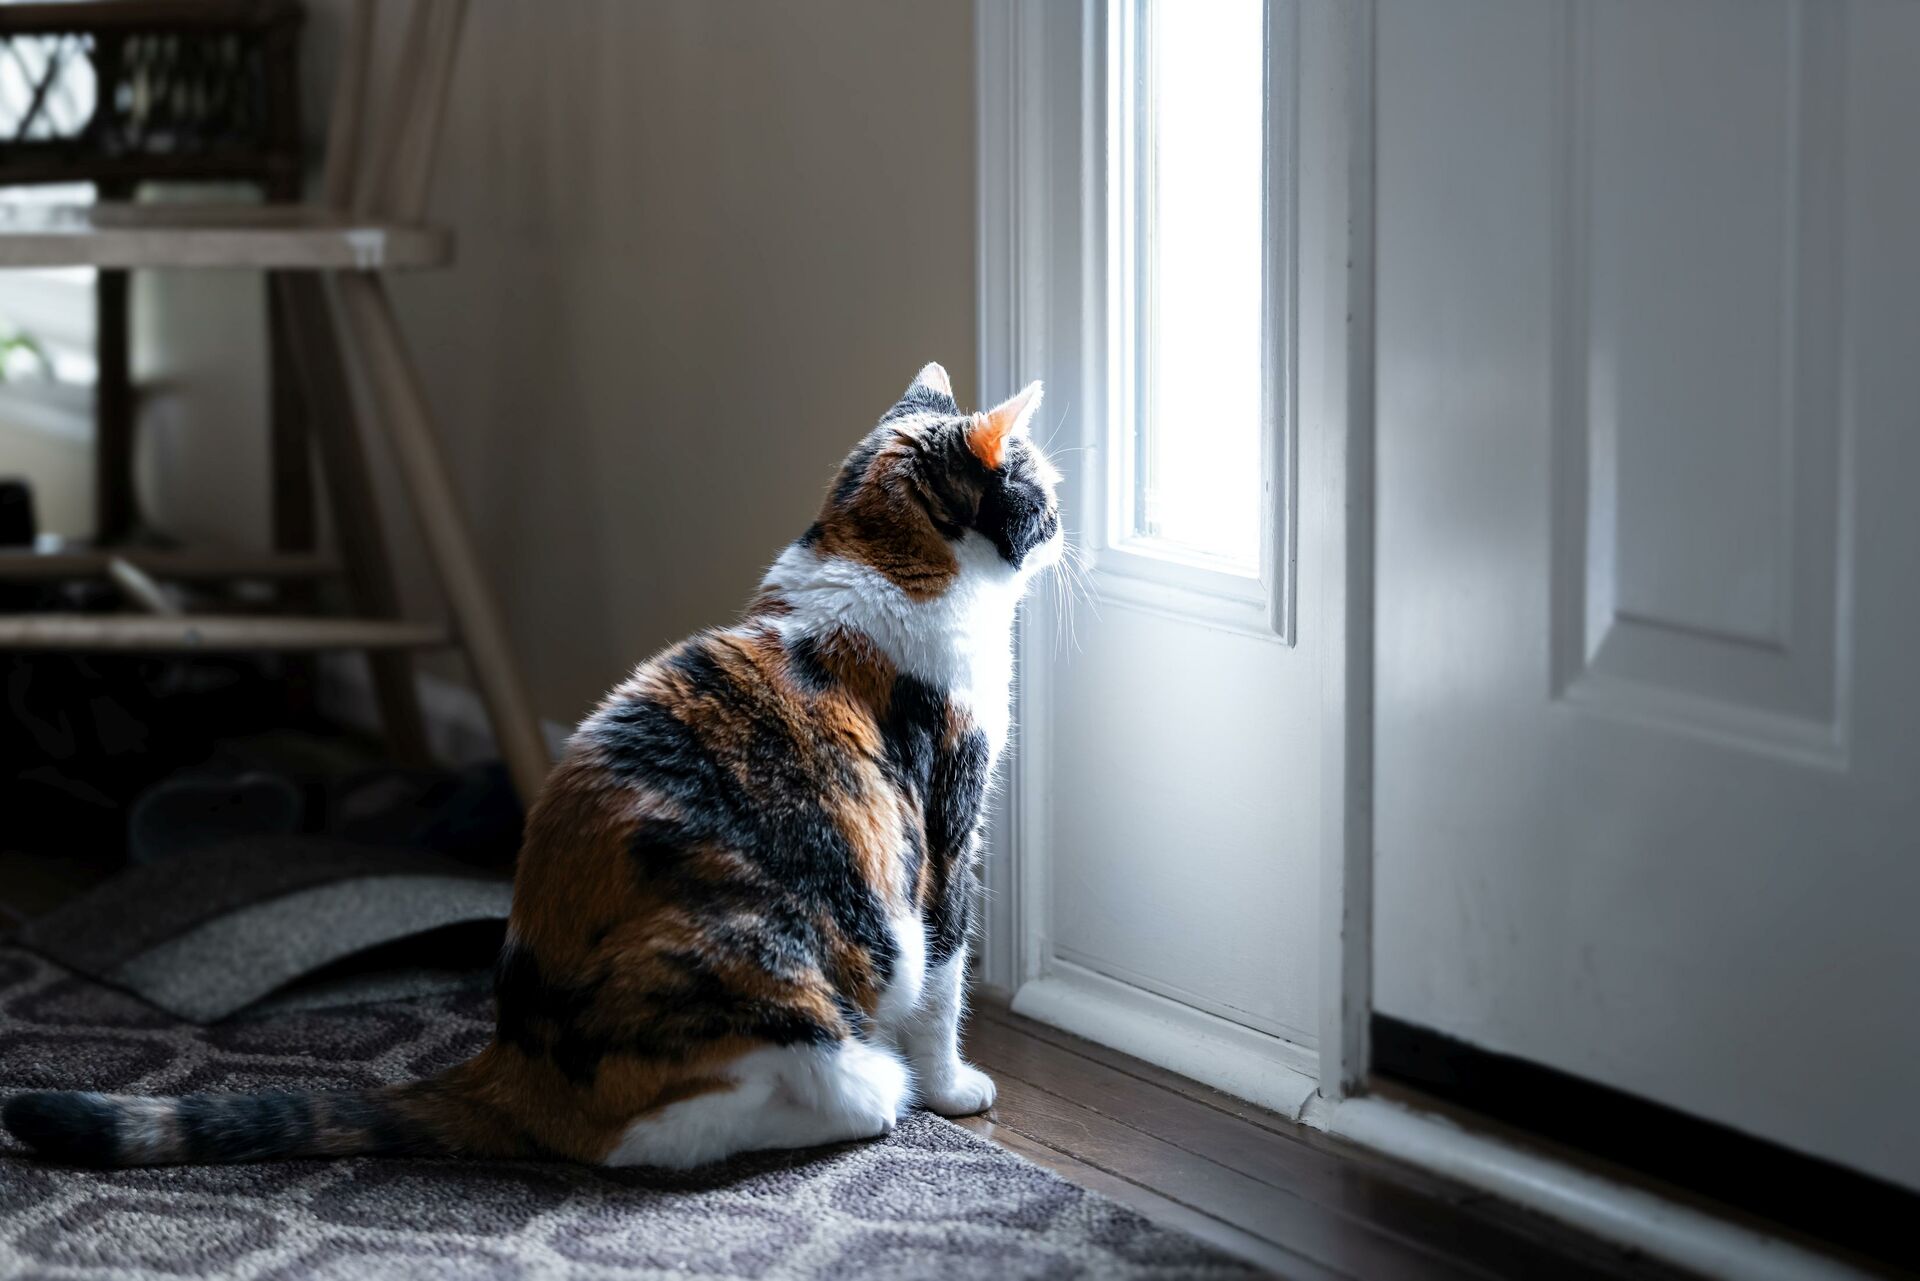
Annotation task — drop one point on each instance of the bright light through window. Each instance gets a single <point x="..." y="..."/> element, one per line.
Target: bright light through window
<point x="1191" y="161"/>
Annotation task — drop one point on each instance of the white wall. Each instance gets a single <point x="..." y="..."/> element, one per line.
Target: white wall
<point x="701" y="247"/>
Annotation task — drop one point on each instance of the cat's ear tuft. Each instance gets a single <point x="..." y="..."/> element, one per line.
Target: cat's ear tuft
<point x="933" y="377"/>
<point x="988" y="435"/>
<point x="930" y="392"/>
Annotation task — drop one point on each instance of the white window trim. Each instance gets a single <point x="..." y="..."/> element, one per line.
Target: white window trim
<point x="1131" y="571"/>
<point x="1043" y="271"/>
<point x="1020" y="107"/>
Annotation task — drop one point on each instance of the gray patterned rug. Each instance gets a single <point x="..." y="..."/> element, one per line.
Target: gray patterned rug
<point x="931" y="1201"/>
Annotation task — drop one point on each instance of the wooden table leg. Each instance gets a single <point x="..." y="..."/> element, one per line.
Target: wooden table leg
<point x="407" y="420"/>
<point x="318" y="378"/>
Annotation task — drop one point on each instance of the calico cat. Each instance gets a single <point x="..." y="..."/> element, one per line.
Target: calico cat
<point x="741" y="910"/>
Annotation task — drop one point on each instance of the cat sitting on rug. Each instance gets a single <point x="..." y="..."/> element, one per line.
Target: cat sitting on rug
<point x="741" y="910"/>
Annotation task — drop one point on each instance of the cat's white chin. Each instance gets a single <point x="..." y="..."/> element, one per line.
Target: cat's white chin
<point x="1044" y="557"/>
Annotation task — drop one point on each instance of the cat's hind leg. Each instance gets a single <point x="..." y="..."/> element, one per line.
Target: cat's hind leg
<point x="785" y="1097"/>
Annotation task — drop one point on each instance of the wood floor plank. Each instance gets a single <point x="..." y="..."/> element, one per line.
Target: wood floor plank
<point x="1162" y="1210"/>
<point x="1264" y="1154"/>
<point x="1274" y="1214"/>
<point x="1355" y="1190"/>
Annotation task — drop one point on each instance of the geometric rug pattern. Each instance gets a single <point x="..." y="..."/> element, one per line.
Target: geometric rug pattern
<point x="930" y="1201"/>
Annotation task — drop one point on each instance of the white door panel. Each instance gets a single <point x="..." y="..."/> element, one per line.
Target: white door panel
<point x="1648" y="343"/>
<point x="1699" y="425"/>
<point x="1182" y="847"/>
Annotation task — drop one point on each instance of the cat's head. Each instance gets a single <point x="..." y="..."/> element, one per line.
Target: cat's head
<point x="933" y="493"/>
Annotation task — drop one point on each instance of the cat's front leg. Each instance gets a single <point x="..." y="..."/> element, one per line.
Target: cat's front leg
<point x="930" y="1038"/>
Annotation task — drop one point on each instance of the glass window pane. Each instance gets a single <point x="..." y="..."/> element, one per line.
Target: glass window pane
<point x="1200" y="117"/>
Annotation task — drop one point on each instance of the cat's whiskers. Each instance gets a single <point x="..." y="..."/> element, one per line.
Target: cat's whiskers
<point x="1072" y="586"/>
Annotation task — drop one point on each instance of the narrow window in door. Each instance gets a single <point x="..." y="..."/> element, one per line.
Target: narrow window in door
<point x="1195" y="456"/>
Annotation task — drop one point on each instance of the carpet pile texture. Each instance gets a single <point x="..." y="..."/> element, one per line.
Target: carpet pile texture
<point x="930" y="1201"/>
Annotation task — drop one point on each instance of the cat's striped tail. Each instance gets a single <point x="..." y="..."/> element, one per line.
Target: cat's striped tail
<point x="435" y="1117"/>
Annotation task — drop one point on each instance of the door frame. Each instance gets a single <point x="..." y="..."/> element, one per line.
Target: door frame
<point x="1040" y="100"/>
<point x="1037" y="280"/>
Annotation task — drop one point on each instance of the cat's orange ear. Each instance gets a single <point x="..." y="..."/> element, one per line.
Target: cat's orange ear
<point x="988" y="435"/>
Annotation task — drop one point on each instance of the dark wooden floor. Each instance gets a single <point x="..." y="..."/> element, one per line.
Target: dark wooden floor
<point x="1251" y="1182"/>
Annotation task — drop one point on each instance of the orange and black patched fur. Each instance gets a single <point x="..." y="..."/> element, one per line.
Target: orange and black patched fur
<point x="741" y="910"/>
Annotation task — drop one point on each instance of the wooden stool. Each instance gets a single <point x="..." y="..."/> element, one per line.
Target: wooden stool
<point x="367" y="222"/>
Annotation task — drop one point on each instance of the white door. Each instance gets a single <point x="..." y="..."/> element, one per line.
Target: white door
<point x="1648" y="655"/>
<point x="1165" y="800"/>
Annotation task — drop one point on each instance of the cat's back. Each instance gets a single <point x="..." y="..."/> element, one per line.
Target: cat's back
<point x="732" y="744"/>
<point x="729" y="716"/>
<point x="723" y="783"/>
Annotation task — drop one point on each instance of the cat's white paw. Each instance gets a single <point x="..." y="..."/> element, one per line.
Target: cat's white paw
<point x="959" y="1089"/>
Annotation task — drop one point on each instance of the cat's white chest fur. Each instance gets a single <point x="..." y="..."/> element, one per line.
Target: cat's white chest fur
<point x="908" y="980"/>
<point x="959" y="642"/>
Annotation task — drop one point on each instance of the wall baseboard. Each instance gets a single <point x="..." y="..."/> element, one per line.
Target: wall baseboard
<point x="1251" y="1065"/>
<point x="1277" y="1075"/>
<point x="1666" y="1229"/>
<point x="458" y="732"/>
<point x="1799" y="1191"/>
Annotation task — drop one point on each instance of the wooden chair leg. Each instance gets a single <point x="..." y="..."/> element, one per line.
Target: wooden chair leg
<point x="404" y="414"/>
<point x="290" y="495"/>
<point x="318" y="378"/>
<point x="114" y="513"/>
<point x="288" y="450"/>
